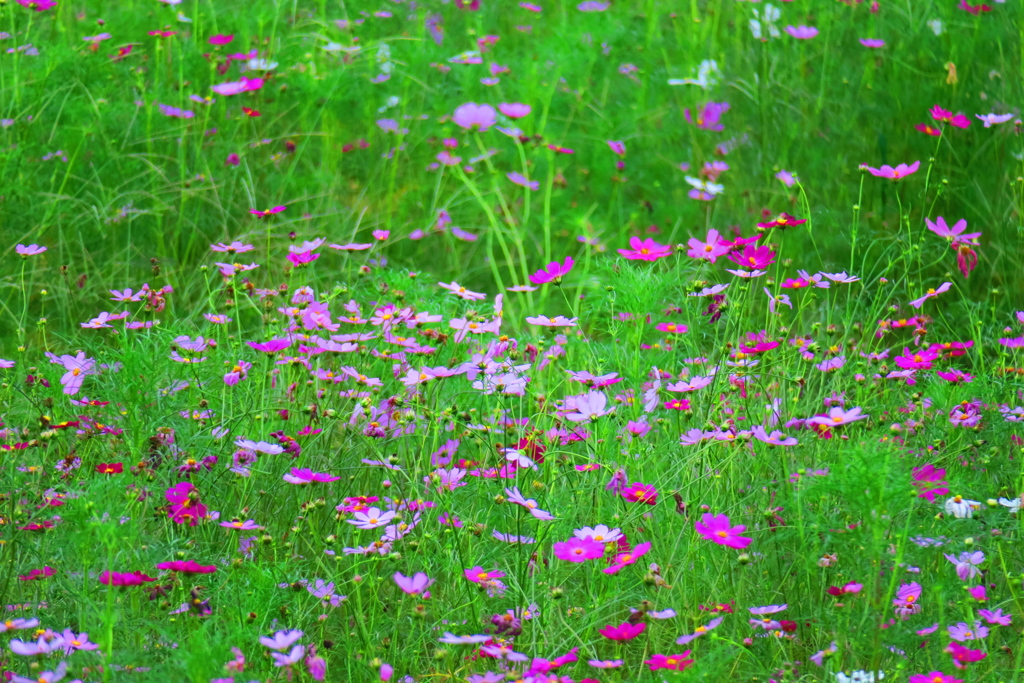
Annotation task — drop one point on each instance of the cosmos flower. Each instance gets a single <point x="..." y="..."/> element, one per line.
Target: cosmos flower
<point x="716" y="528"/>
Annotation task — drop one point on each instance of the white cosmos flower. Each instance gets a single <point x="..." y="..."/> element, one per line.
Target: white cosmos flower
<point x="961" y="508"/>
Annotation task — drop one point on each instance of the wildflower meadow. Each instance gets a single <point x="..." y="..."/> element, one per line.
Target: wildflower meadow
<point x="471" y="341"/>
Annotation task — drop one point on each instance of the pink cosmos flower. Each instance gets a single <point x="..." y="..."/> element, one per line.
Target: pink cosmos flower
<point x="917" y="303"/>
<point x="710" y="249"/>
<point x="475" y="116"/>
<point x="645" y="250"/>
<point x="30" y="250"/>
<point x="901" y="171"/>
<point x="238" y="373"/>
<point x="514" y="110"/>
<point x="786" y="178"/>
<point x="626" y="631"/>
<point x="872" y="42"/>
<point x="578" y="549"/>
<point x="221" y="39"/>
<point x="753" y="257"/>
<point x="109" y="578"/>
<point x="267" y="212"/>
<point x="933" y="677"/>
<point x="302" y="475"/>
<point x="554" y="272"/>
<point x="281" y="640"/>
<point x="414" y="585"/>
<point x="184" y="504"/>
<point x="640" y="493"/>
<point x="670" y="662"/>
<point x="247" y="525"/>
<point x="371" y="518"/>
<point x="461" y="292"/>
<point x="523" y="181"/>
<point x="996" y="617"/>
<point x="478" y="575"/>
<point x="966" y="564"/>
<point x="588" y="407"/>
<point x="837" y="415"/>
<point x="716" y="528"/>
<point x="671" y="328"/>
<point x="700" y="631"/>
<point x="951" y="234"/>
<point x="617" y="147"/>
<point x="623" y="560"/>
<point x="802" y="32"/>
<point x="187" y="567"/>
<point x="974" y="9"/>
<point x="709" y="116"/>
<point x="237" y="87"/>
<point x="945" y="116"/>
<point x="906" y="600"/>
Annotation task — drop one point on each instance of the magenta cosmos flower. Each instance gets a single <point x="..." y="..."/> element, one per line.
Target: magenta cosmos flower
<point x="934" y="677"/>
<point x="303" y="475"/>
<point x="187" y="567"/>
<point x="645" y="250"/>
<point x="478" y="575"/>
<point x="184" y="504"/>
<point x="640" y="493"/>
<point x="267" y="212"/>
<point x="900" y="171"/>
<point x="671" y="662"/>
<point x="623" y="560"/>
<point x="716" y="528"/>
<point x="872" y="42"/>
<point x="475" y="116"/>
<point x="945" y="116"/>
<point x="626" y="631"/>
<point x="109" y="578"/>
<point x="579" y="550"/>
<point x="553" y="272"/>
<point x="709" y="116"/>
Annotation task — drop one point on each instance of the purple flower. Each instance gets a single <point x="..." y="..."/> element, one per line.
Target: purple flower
<point x="281" y="640"/>
<point x="966" y="567"/>
<point x="414" y="585"/>
<point x="900" y="171"/>
<point x="472" y="115"/>
<point x="961" y="632"/>
<point x="523" y="181"/>
<point x="514" y="110"/>
<point x="592" y="6"/>
<point x="872" y="42"/>
<point x="303" y="475"/>
<point x="237" y="87"/>
<point x="30" y="250"/>
<point x="175" y="112"/>
<point x="709" y="115"/>
<point x="293" y="657"/>
<point x="802" y="32"/>
<point x="554" y="272"/>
